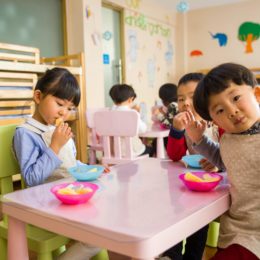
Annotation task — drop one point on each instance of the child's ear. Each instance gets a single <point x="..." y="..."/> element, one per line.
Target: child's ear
<point x="257" y="93"/>
<point x="37" y="96"/>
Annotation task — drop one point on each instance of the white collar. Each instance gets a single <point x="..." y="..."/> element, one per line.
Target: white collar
<point x="38" y="125"/>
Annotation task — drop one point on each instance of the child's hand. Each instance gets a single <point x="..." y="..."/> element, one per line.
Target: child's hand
<point x="182" y="120"/>
<point x="107" y="169"/>
<point x="136" y="107"/>
<point x="60" y="137"/>
<point x="207" y="166"/>
<point x="195" y="130"/>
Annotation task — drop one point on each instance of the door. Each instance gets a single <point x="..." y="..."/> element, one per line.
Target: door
<point x="112" y="49"/>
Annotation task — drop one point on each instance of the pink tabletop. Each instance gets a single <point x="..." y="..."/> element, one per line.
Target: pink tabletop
<point x="141" y="208"/>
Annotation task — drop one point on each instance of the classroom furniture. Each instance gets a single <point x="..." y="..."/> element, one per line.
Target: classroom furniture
<point x="155" y="131"/>
<point x="116" y="218"/>
<point x="20" y="66"/>
<point x="95" y="142"/>
<point x="117" y="129"/>
<point x="44" y="243"/>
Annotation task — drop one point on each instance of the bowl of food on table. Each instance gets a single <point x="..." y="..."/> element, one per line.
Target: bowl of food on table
<point x="200" y="181"/>
<point x="74" y="192"/>
<point x="84" y="172"/>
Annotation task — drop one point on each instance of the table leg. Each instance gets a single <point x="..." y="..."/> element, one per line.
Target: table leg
<point x="160" y="148"/>
<point x="17" y="241"/>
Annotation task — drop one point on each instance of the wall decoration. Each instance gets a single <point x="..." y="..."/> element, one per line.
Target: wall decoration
<point x="140" y="21"/>
<point x="221" y="37"/>
<point x="133" y="45"/>
<point x="249" y="32"/>
<point x="107" y="35"/>
<point x="196" y="53"/>
<point x="182" y="6"/>
<point x="106" y="58"/>
<point x="151" y="72"/>
<point x="133" y="3"/>
<point x="88" y="12"/>
<point x="140" y="76"/>
<point x="169" y="53"/>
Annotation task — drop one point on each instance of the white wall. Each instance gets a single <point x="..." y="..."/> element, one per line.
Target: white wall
<point x="149" y="70"/>
<point x="188" y="32"/>
<point x="225" y="19"/>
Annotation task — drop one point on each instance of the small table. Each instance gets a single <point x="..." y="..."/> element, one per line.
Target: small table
<point x="141" y="210"/>
<point x="155" y="131"/>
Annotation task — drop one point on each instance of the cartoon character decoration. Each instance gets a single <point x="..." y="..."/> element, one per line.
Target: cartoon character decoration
<point x="249" y="32"/>
<point x="195" y="53"/>
<point x="221" y="37"/>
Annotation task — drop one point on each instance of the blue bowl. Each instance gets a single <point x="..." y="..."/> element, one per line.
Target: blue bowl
<point x="193" y="160"/>
<point x="86" y="172"/>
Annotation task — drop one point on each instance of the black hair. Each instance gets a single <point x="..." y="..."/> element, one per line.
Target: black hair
<point x="194" y="76"/>
<point x="59" y="82"/>
<point x="217" y="80"/>
<point x="121" y="92"/>
<point x="168" y="93"/>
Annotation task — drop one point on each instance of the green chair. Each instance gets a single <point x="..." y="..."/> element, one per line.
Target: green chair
<point x="213" y="232"/>
<point x="44" y="243"/>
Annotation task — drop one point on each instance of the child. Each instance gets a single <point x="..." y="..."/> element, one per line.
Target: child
<point x="123" y="97"/>
<point x="228" y="95"/>
<point x="45" y="152"/>
<point x="168" y="95"/>
<point x="178" y="144"/>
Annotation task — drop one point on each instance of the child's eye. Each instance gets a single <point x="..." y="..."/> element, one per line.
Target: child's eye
<point x="180" y="100"/>
<point x="219" y="111"/>
<point x="236" y="98"/>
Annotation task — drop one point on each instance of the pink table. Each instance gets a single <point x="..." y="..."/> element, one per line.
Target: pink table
<point x="141" y="209"/>
<point x="155" y="131"/>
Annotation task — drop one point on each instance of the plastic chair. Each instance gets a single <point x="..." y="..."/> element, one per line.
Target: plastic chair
<point x="44" y="243"/>
<point x="213" y="232"/>
<point x="95" y="143"/>
<point x="117" y="129"/>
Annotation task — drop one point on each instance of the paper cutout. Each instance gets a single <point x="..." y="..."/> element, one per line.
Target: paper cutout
<point x="221" y="37"/>
<point x="107" y="35"/>
<point x="169" y="53"/>
<point x="133" y="45"/>
<point x="196" y="53"/>
<point x="249" y="32"/>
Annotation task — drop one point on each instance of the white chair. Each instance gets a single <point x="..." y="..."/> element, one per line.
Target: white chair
<point x="95" y="143"/>
<point x="117" y="128"/>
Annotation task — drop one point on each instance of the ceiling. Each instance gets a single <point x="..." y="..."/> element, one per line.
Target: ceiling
<point x="195" y="4"/>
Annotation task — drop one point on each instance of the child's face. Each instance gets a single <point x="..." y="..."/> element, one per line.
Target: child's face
<point x="50" y="108"/>
<point x="185" y="97"/>
<point x="235" y="109"/>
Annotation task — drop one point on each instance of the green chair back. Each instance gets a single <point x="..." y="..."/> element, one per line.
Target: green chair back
<point x="44" y="243"/>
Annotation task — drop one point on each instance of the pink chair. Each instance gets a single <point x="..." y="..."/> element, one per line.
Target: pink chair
<point x="117" y="128"/>
<point x="95" y="143"/>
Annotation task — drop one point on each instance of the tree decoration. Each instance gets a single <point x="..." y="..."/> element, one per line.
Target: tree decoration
<point x="249" y="32"/>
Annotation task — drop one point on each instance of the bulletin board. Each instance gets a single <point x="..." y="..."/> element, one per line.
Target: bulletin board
<point x="33" y="23"/>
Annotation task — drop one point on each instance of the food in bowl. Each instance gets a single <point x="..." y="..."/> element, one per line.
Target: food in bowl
<point x="84" y="172"/>
<point x="200" y="181"/>
<point x="74" y="193"/>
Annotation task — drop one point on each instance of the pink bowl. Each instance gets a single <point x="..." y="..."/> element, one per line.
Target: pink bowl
<point x="201" y="186"/>
<point x="71" y="198"/>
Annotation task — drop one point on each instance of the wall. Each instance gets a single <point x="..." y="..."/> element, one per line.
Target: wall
<point x="146" y="51"/>
<point x="149" y="33"/>
<point x="222" y="19"/>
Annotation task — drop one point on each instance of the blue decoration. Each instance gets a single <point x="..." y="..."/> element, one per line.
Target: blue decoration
<point x="182" y="6"/>
<point x="107" y="35"/>
<point x="221" y="37"/>
<point x="106" y="59"/>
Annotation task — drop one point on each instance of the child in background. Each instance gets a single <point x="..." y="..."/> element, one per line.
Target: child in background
<point x="165" y="114"/>
<point x="228" y="96"/>
<point x="178" y="144"/>
<point x="123" y="97"/>
<point x="44" y="152"/>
